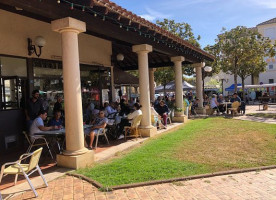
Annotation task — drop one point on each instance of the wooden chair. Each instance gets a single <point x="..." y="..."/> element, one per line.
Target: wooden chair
<point x="26" y="170"/>
<point x="37" y="142"/>
<point x="234" y="108"/>
<point x="133" y="129"/>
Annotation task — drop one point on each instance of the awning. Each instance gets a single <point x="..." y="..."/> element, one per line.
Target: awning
<point x="170" y="87"/>
<point x="232" y="87"/>
<point x="259" y="86"/>
<point x="124" y="78"/>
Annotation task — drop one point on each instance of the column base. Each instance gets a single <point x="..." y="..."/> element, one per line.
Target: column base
<point x="76" y="162"/>
<point x="201" y="111"/>
<point x="148" y="132"/>
<point x="182" y="118"/>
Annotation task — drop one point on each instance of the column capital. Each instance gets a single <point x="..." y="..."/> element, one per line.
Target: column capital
<point x="177" y="59"/>
<point x="68" y="24"/>
<point x="142" y="47"/>
<point x="201" y="64"/>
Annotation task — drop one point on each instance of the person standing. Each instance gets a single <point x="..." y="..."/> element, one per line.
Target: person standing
<point x="33" y="107"/>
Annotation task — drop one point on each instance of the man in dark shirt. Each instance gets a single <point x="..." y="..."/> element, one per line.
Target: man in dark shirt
<point x="33" y="107"/>
<point x="58" y="105"/>
<point x="163" y="110"/>
<point x="235" y="98"/>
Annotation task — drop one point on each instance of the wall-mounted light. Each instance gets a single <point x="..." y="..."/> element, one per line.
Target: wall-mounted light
<point x="39" y="41"/>
<point x="120" y="57"/>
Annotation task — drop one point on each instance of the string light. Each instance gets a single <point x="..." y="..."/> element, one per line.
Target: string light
<point x="128" y="27"/>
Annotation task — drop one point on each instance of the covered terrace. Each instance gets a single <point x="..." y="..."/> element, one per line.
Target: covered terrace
<point x="94" y="32"/>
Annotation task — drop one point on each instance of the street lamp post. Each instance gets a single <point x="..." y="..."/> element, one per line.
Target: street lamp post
<point x="222" y="79"/>
<point x="205" y="70"/>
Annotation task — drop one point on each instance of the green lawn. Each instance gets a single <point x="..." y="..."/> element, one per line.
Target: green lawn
<point x="201" y="146"/>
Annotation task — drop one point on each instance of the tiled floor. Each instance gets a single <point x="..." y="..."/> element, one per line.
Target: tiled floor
<point x="251" y="185"/>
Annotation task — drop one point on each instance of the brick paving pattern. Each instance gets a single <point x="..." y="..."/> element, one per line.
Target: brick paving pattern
<point x="252" y="185"/>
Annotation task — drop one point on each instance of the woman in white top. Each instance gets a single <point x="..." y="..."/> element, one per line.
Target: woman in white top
<point x="214" y="103"/>
<point x="137" y="111"/>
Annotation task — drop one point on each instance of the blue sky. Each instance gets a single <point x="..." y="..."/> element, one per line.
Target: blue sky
<point x="207" y="17"/>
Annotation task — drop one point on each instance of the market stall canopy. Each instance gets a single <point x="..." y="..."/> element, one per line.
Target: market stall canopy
<point x="232" y="87"/>
<point x="124" y="78"/>
<point x="170" y="87"/>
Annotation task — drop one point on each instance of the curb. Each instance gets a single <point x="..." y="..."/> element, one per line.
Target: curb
<point x="126" y="186"/>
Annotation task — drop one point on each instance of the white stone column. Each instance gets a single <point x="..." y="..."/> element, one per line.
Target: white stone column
<point x="177" y="60"/>
<point x="142" y="51"/>
<point x="75" y="155"/>
<point x="151" y="83"/>
<point x="113" y="91"/>
<point x="199" y="95"/>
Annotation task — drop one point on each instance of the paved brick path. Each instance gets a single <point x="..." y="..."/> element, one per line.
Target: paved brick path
<point x="252" y="185"/>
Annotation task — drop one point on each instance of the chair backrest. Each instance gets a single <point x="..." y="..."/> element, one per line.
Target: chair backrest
<point x="235" y="104"/>
<point x="27" y="137"/>
<point x="35" y="159"/>
<point x="136" y="122"/>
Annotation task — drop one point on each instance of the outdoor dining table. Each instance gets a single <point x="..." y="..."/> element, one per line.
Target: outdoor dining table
<point x="226" y="103"/>
<point x="55" y="133"/>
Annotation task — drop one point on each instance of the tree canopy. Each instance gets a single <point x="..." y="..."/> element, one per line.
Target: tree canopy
<point x="241" y="52"/>
<point x="183" y="30"/>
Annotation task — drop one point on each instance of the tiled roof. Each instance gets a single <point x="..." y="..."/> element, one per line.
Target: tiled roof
<point x="151" y="26"/>
<point x="271" y="21"/>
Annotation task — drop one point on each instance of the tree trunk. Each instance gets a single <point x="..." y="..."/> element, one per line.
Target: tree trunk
<point x="236" y="76"/>
<point x="243" y="89"/>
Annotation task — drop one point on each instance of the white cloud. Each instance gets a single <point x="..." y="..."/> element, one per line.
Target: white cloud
<point x="264" y="3"/>
<point x="152" y="15"/>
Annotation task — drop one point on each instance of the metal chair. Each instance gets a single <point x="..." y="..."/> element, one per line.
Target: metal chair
<point x="33" y="143"/>
<point x="26" y="170"/>
<point x="133" y="129"/>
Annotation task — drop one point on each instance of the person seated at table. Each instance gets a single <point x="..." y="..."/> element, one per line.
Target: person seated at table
<point x="214" y="103"/>
<point x="206" y="100"/>
<point x="38" y="124"/>
<point x="110" y="109"/>
<point x="221" y="101"/>
<point x="265" y="100"/>
<point x="194" y="106"/>
<point x="125" y="110"/>
<point x="155" y="117"/>
<point x="129" y="119"/>
<point x="163" y="110"/>
<point x="98" y="124"/>
<point x="235" y="97"/>
<point x="56" y="120"/>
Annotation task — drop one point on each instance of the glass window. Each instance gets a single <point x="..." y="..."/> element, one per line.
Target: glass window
<point x="11" y="66"/>
<point x="270" y="80"/>
<point x="270" y="66"/>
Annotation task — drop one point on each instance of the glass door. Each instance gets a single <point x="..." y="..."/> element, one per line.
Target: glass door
<point x="11" y="92"/>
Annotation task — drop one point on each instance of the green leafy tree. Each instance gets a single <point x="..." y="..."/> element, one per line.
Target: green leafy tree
<point x="241" y="52"/>
<point x="183" y="30"/>
<point x="163" y="76"/>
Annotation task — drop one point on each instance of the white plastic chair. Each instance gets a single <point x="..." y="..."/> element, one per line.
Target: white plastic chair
<point x="102" y="131"/>
<point x="26" y="170"/>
